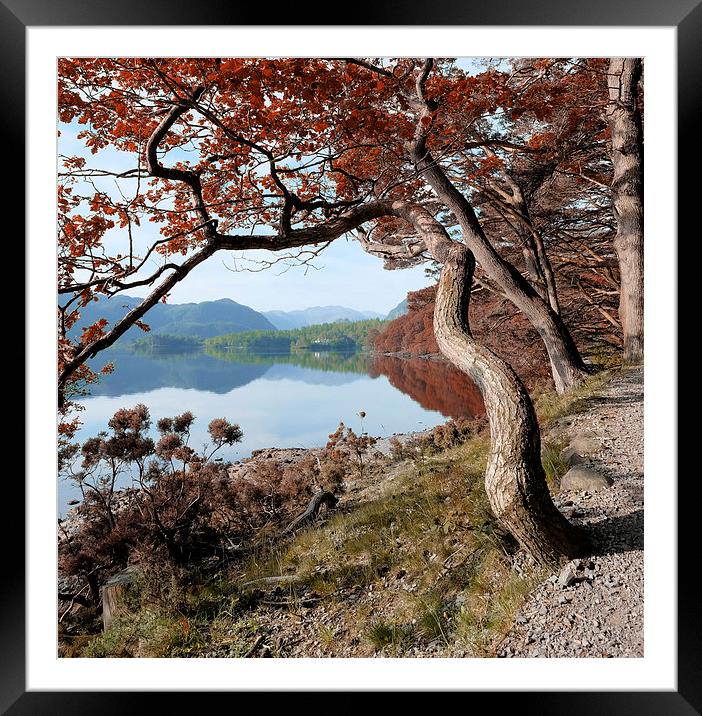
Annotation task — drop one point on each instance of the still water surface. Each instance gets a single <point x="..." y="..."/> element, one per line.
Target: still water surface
<point x="279" y="401"/>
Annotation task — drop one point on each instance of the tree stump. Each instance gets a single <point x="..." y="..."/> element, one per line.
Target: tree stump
<point x="113" y="595"/>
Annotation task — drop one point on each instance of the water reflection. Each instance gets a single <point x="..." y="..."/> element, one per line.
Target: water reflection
<point x="435" y="385"/>
<point x="333" y="361"/>
<point x="279" y="401"/>
<point x="138" y="372"/>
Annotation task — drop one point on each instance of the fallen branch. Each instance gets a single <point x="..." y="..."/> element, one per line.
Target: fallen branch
<point x="284" y="579"/>
<point x="321" y="498"/>
<point x="74" y="599"/>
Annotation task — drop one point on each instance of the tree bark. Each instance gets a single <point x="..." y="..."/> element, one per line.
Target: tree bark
<point x="627" y="198"/>
<point x="514" y="480"/>
<point x="567" y="365"/>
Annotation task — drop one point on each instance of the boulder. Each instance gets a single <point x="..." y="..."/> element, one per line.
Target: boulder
<point x="571" y="456"/>
<point x="580" y="478"/>
<point x="585" y="443"/>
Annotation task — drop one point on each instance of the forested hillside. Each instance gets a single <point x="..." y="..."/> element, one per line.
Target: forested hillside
<point x="286" y="320"/>
<point x="339" y="336"/>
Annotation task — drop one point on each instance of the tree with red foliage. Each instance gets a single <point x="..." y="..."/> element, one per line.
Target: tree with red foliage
<point x="516" y="341"/>
<point x="243" y="154"/>
<point x="325" y="146"/>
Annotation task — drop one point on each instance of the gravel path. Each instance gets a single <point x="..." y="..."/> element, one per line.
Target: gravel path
<point x="600" y="611"/>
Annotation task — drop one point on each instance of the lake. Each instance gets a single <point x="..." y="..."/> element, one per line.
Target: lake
<point x="279" y="401"/>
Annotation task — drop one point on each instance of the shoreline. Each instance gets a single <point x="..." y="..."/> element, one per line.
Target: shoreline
<point x="287" y="455"/>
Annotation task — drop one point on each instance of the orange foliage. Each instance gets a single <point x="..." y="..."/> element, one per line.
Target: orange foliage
<point x="435" y="385"/>
<point x="516" y="341"/>
<point x="412" y="333"/>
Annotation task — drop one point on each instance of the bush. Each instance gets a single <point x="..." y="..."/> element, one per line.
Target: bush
<point x="451" y="434"/>
<point x="349" y="451"/>
<point x="186" y="507"/>
<point x="173" y="516"/>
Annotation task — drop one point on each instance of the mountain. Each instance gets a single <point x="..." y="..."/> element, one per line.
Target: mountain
<point x="399" y="310"/>
<point x="141" y="373"/>
<point x="285" y="320"/>
<point x="205" y="320"/>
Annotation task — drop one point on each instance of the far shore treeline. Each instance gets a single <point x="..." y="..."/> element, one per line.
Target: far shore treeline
<point x="338" y="336"/>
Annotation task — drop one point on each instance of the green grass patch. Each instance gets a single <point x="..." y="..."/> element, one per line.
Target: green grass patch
<point x="550" y="406"/>
<point x="390" y="637"/>
<point x="554" y="465"/>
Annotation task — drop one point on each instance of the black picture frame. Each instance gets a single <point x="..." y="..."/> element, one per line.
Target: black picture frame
<point x="17" y="15"/>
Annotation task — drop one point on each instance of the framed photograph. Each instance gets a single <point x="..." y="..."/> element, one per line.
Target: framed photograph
<point x="372" y="134"/>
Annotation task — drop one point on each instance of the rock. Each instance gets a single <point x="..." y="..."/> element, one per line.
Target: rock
<point x="580" y="478"/>
<point x="571" y="456"/>
<point x="585" y="443"/>
<point x="568" y="575"/>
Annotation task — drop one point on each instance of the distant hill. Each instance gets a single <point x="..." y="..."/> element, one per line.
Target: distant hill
<point x="286" y="320"/>
<point x="399" y="310"/>
<point x="205" y="320"/>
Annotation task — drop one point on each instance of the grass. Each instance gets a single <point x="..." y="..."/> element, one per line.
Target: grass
<point x="327" y="636"/>
<point x="148" y="634"/>
<point x="412" y="520"/>
<point x="433" y="621"/>
<point x="388" y="636"/>
<point x="423" y="563"/>
<point x="550" y="406"/>
<point x="554" y="465"/>
<point x="489" y="607"/>
<point x="431" y="524"/>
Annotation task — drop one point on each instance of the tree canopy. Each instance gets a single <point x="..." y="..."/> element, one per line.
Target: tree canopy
<point x="289" y="154"/>
<point x="502" y="167"/>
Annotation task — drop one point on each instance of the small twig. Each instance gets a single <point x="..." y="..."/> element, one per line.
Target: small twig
<point x="254" y="646"/>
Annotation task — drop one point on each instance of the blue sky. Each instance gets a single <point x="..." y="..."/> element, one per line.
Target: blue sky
<point x="343" y="274"/>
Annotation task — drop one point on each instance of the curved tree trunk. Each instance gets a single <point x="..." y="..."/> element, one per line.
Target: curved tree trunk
<point x="567" y="365"/>
<point x="514" y="480"/>
<point x="627" y="198"/>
